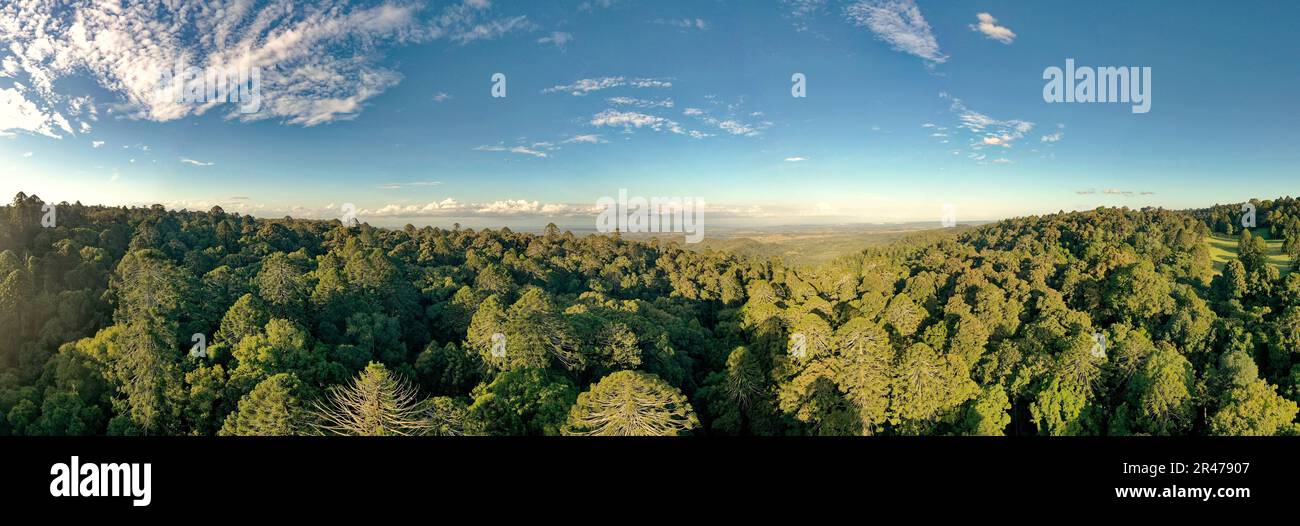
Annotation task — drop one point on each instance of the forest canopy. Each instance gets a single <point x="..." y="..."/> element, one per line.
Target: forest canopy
<point x="145" y="321"/>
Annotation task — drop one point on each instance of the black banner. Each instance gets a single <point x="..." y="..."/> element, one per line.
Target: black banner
<point x="320" y="476"/>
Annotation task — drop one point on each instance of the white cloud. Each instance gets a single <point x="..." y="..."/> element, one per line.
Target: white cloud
<point x="558" y="38"/>
<point x="589" y="6"/>
<point x="685" y="23"/>
<point x="795" y="159"/>
<point x="631" y="119"/>
<point x="320" y="61"/>
<point x="898" y="23"/>
<point x="27" y="154"/>
<point x="1057" y="136"/>
<point x="441" y="97"/>
<point x="651" y="83"/>
<point x="467" y="22"/>
<point x="96" y="144"/>
<point x="589" y="139"/>
<point x="414" y="184"/>
<point x="990" y="28"/>
<point x="640" y="103"/>
<point x="988" y="130"/>
<point x="509" y="207"/>
<point x="803" y="10"/>
<point x="540" y="149"/>
<point x="731" y="124"/>
<point x="17" y="113"/>
<point x="195" y="163"/>
<point x="582" y="87"/>
<point x="735" y="127"/>
<point x="522" y="150"/>
<point x="501" y="208"/>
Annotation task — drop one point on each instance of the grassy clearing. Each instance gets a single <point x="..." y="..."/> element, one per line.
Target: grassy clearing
<point x="809" y="246"/>
<point x="1224" y="249"/>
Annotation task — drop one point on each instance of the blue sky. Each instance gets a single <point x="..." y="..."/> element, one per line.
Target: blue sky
<point x="910" y="105"/>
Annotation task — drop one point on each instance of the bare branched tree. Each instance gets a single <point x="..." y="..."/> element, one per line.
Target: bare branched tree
<point x="378" y="403"/>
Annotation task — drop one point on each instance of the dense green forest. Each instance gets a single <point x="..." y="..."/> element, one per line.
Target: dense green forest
<point x="143" y="321"/>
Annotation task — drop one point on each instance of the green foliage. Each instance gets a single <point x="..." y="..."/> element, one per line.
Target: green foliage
<point x="738" y="398"/>
<point x="521" y="402"/>
<point x="983" y="330"/>
<point x="1255" y="410"/>
<point x="987" y="414"/>
<point x="928" y="388"/>
<point x="628" y="403"/>
<point x="272" y="408"/>
<point x="1162" y="393"/>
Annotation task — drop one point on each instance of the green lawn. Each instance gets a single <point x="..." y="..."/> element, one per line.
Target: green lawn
<point x="1224" y="249"/>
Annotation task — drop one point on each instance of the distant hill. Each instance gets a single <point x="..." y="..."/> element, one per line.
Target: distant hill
<point x="810" y="246"/>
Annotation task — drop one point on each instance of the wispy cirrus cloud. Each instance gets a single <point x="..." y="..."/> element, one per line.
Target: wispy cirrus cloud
<point x="685" y="24"/>
<point x="559" y="39"/>
<point x="193" y="162"/>
<point x="412" y="184"/>
<point x="592" y="5"/>
<point x="988" y="131"/>
<point x="581" y="87"/>
<point x="589" y="139"/>
<point x="900" y="24"/>
<point x="521" y="150"/>
<point x="640" y="103"/>
<point x="541" y="149"/>
<point x="801" y="11"/>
